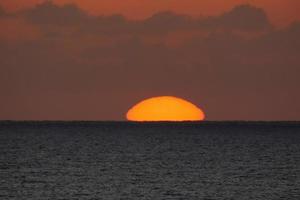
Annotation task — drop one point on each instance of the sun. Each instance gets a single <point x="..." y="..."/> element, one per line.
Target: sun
<point x="165" y="108"/>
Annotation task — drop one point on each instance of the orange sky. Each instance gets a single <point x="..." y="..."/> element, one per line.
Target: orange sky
<point x="55" y="67"/>
<point x="281" y="12"/>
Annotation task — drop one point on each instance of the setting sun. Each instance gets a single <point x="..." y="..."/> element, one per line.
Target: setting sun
<point x="165" y="108"/>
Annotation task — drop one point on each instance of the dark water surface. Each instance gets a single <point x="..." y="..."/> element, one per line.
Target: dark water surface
<point x="114" y="160"/>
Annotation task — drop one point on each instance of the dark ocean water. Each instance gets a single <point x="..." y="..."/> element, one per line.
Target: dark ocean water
<point x="90" y="160"/>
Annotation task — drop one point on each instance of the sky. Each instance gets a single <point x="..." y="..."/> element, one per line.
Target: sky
<point x="93" y="60"/>
<point x="281" y="12"/>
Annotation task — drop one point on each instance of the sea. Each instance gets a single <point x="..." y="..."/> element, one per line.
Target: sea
<point x="165" y="160"/>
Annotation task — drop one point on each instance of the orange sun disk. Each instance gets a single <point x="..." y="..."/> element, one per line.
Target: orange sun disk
<point x="165" y="108"/>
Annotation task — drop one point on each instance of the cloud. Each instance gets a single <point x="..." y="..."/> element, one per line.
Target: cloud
<point x="245" y="17"/>
<point x="165" y="22"/>
<point x="285" y="40"/>
<point x="2" y="12"/>
<point x="47" y="13"/>
<point x="242" y="18"/>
